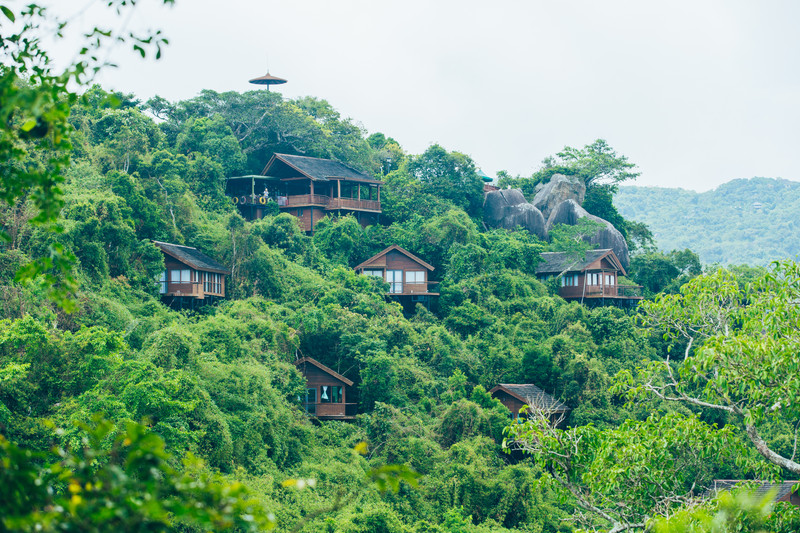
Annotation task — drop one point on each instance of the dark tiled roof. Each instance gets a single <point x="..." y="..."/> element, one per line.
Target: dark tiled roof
<point x="192" y="257"/>
<point x="558" y="262"/>
<point x="532" y="396"/>
<point x="312" y="167"/>
<point x="760" y="488"/>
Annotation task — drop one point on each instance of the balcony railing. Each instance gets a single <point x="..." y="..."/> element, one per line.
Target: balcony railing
<point x="302" y="200"/>
<point x="331" y="410"/>
<point x="602" y="291"/>
<point x="352" y="203"/>
<point x="192" y="288"/>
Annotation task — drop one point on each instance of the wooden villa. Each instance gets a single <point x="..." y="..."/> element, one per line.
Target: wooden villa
<point x="408" y="276"/>
<point x="190" y="278"/>
<point x="326" y="391"/>
<point x="515" y="396"/>
<point x="592" y="279"/>
<point x="785" y="491"/>
<point x="309" y="188"/>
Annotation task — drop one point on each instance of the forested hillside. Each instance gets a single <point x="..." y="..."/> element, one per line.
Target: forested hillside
<point x="746" y="221"/>
<point x="120" y="413"/>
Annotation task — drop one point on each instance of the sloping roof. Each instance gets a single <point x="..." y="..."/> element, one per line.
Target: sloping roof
<point x="399" y="249"/>
<point x="558" y="262"/>
<point x="759" y="488"/>
<point x="312" y="361"/>
<point x="192" y="257"/>
<point x="532" y="396"/>
<point x="315" y="168"/>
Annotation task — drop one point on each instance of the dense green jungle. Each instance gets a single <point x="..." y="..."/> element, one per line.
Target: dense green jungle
<point x="745" y="221"/>
<point x="120" y="413"/>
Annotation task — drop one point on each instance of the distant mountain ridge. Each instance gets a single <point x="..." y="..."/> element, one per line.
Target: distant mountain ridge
<point x="752" y="221"/>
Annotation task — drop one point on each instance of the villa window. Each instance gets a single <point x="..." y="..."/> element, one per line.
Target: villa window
<point x="395" y="280"/>
<point x="415" y="276"/>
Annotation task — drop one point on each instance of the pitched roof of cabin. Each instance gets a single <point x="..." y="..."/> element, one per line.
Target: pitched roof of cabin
<point x="532" y="396"/>
<point x="759" y="488"/>
<point x="558" y="262"/>
<point x="314" y="168"/>
<point x="327" y="370"/>
<point x="389" y="249"/>
<point x="192" y="257"/>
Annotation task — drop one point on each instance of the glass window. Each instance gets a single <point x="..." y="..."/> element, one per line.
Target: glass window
<point x="325" y="394"/>
<point x="162" y="283"/>
<point x="311" y="400"/>
<point x="174" y="276"/>
<point x="336" y="394"/>
<point x="395" y="280"/>
<point x="374" y="272"/>
<point x="185" y="275"/>
<point x="415" y="276"/>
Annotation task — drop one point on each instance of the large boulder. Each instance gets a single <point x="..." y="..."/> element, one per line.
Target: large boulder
<point x="508" y="208"/>
<point x="557" y="190"/>
<point x="569" y="212"/>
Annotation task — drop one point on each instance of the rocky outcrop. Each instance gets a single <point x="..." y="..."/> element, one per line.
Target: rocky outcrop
<point x="508" y="208"/>
<point x="557" y="190"/>
<point x="569" y="212"/>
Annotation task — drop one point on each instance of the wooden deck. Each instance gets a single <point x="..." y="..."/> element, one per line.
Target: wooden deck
<point x="331" y="411"/>
<point x="312" y="200"/>
<point x="623" y="292"/>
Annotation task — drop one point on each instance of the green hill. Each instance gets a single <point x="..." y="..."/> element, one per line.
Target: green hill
<point x="752" y="221"/>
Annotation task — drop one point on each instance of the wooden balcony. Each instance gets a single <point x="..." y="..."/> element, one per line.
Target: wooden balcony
<point x="307" y="200"/>
<point x="629" y="292"/>
<point x="412" y="289"/>
<point x="302" y="200"/>
<point x="193" y="289"/>
<point x="339" y="411"/>
<point x="356" y="205"/>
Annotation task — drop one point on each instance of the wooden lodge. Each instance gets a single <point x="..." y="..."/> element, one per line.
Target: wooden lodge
<point x="592" y="279"/>
<point x="785" y="491"/>
<point x="515" y="396"/>
<point x="408" y="276"/>
<point x="190" y="278"/>
<point x="309" y="188"/>
<point x="326" y="391"/>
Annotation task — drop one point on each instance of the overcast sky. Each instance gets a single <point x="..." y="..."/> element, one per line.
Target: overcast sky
<point x="695" y="92"/>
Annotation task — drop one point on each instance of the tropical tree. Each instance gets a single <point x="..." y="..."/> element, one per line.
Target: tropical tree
<point x="35" y="100"/>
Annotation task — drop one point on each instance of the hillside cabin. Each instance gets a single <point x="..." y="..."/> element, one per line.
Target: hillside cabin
<point x="591" y="279"/>
<point x="308" y="188"/>
<point x="190" y="278"/>
<point x="326" y="391"/>
<point x="786" y="491"/>
<point x="408" y="276"/>
<point x="515" y="396"/>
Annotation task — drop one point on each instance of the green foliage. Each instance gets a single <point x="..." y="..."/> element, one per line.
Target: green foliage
<point x="658" y="272"/>
<point x="744" y="221"/>
<point x="119" y="479"/>
<point x="451" y="176"/>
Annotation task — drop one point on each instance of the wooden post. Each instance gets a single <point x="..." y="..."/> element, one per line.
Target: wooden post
<point x="338" y="188"/>
<point x="359" y="192"/>
<point x="311" y="182"/>
<point x="379" y="193"/>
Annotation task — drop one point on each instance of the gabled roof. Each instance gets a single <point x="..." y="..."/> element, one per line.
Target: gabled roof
<point x="532" y="396"/>
<point x="314" y="168"/>
<point x="558" y="262"/>
<point x="192" y="257"/>
<point x="759" y="488"/>
<point x="399" y="249"/>
<point x="312" y="361"/>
